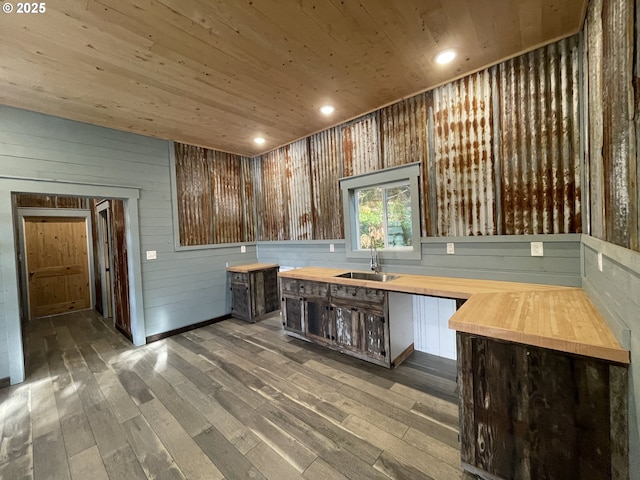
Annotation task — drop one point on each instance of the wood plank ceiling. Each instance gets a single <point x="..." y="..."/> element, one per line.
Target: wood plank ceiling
<point x="218" y="73"/>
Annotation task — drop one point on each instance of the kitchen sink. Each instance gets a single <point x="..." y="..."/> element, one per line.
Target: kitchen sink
<point x="374" y="277"/>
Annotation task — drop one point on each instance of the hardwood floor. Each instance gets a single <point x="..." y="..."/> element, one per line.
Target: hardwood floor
<point x="232" y="400"/>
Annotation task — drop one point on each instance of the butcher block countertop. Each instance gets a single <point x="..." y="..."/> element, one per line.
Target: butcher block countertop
<point x="251" y="267"/>
<point x="547" y="316"/>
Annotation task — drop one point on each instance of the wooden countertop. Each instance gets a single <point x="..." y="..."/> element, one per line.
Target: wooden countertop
<point x="251" y="267"/>
<point x="548" y="316"/>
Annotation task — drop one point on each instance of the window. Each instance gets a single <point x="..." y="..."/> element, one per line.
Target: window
<point x="384" y="216"/>
<point x="381" y="210"/>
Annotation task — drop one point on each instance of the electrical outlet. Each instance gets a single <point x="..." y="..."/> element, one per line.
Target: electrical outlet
<point x="537" y="249"/>
<point x="152" y="255"/>
<point x="600" y="261"/>
<point x="332" y="247"/>
<point x="451" y="249"/>
<point x="243" y="249"/>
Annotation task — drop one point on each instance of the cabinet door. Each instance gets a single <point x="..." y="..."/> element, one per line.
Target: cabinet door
<point x="240" y="302"/>
<point x="319" y="319"/>
<point x="375" y="336"/>
<point x="293" y="314"/>
<point x="348" y="329"/>
<point x="272" y="298"/>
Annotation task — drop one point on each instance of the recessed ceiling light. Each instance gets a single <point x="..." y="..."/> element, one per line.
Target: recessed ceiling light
<point x="259" y="140"/>
<point x="327" y="110"/>
<point x="445" y="57"/>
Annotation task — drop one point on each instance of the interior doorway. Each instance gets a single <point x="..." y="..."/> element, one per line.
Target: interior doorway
<point x="57" y="264"/>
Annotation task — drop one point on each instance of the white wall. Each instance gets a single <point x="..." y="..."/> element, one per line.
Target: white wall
<point x="431" y="332"/>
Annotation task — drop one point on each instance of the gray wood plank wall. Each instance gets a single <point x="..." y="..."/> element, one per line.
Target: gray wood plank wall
<point x="505" y="258"/>
<point x="180" y="287"/>
<point x="616" y="293"/>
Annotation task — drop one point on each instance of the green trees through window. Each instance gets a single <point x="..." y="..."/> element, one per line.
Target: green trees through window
<point x="384" y="216"/>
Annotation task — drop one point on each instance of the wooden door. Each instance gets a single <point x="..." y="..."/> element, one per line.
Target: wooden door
<point x="119" y="267"/>
<point x="57" y="265"/>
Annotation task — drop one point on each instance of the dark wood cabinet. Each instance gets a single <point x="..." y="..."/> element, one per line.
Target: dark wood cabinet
<point x="350" y="319"/>
<point x="254" y="290"/>
<point x="535" y="413"/>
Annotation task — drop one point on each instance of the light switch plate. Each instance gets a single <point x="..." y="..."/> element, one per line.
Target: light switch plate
<point x="451" y="249"/>
<point x="537" y="249"/>
<point x="243" y="249"/>
<point x="152" y="255"/>
<point x="332" y="248"/>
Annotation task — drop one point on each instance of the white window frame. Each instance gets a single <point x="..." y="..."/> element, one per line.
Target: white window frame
<point x="349" y="186"/>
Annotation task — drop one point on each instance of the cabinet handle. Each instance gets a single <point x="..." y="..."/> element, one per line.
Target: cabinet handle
<point x="282" y="299"/>
<point x="383" y="353"/>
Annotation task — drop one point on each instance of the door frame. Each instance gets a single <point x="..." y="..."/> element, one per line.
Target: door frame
<point x="105" y="206"/>
<point x="52" y="213"/>
<point x="8" y="259"/>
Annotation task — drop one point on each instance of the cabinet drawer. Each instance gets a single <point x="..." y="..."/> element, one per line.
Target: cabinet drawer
<point x="304" y="288"/>
<point x="369" y="296"/>
<point x="237" y="277"/>
<point x="289" y="285"/>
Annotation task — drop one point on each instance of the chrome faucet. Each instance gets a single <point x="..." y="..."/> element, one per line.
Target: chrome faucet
<point x="374" y="264"/>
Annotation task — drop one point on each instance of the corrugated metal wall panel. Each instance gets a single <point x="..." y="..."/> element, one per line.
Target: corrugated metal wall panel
<point x="464" y="157"/>
<point x="539" y="138"/>
<point x="360" y="146"/>
<point x="273" y="208"/>
<point x="403" y="139"/>
<point x="298" y="183"/>
<point x="194" y="195"/>
<point x="247" y="172"/>
<point x="227" y="197"/>
<point x="215" y="193"/>
<point x="325" y="152"/>
<point x="593" y="103"/>
<point x="620" y="163"/>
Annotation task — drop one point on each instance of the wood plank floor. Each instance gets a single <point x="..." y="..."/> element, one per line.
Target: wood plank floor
<point x="232" y="400"/>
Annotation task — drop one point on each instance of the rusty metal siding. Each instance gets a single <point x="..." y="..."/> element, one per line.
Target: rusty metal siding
<point x="539" y="140"/>
<point x="215" y="192"/>
<point x="247" y="174"/>
<point x="273" y="205"/>
<point x="464" y="160"/>
<point x="593" y="95"/>
<point x="619" y="152"/>
<point x="325" y="153"/>
<point x="226" y="197"/>
<point x="404" y="139"/>
<point x="298" y="184"/>
<point x="194" y="195"/>
<point x="360" y="146"/>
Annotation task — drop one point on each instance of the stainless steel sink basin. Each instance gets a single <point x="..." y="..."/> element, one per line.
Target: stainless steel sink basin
<point x="374" y="277"/>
